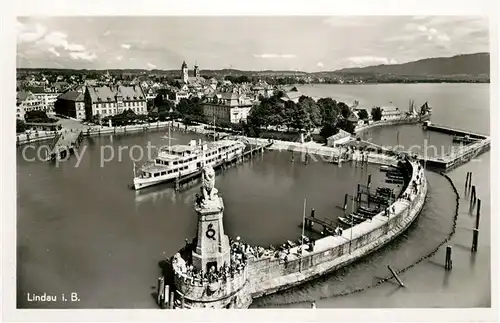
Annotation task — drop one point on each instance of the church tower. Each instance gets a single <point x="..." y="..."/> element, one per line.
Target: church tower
<point x="196" y="70"/>
<point x="184" y="72"/>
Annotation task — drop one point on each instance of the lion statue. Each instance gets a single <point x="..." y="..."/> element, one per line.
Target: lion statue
<point x="208" y="189"/>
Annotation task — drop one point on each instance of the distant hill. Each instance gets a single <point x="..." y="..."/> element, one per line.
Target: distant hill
<point x="461" y="68"/>
<point x="468" y="64"/>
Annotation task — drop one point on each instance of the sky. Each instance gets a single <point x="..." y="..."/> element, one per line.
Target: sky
<point x="305" y="43"/>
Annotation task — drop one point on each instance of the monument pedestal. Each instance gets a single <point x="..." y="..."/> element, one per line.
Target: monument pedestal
<point x="212" y="247"/>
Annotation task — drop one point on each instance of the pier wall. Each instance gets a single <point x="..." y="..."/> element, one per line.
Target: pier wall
<point x="400" y="121"/>
<point x="453" y="160"/>
<point x="269" y="275"/>
<point x="196" y="289"/>
<point x="23" y="139"/>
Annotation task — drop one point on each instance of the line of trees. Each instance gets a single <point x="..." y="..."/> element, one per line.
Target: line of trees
<point x="303" y="116"/>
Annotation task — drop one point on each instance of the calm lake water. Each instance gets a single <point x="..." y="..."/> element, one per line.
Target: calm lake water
<point x="80" y="229"/>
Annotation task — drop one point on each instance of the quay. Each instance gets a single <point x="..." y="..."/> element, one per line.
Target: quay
<point x="213" y="271"/>
<point x="452" y="131"/>
<point x="457" y="158"/>
<point x="64" y="144"/>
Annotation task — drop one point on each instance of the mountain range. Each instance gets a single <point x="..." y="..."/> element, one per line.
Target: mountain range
<point x="475" y="66"/>
<point x="469" y="64"/>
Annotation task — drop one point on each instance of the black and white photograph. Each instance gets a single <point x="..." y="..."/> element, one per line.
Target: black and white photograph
<point x="266" y="162"/>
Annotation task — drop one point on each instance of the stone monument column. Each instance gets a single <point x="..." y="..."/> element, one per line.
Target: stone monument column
<point x="212" y="249"/>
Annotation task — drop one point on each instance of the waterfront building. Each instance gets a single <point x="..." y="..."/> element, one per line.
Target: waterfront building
<point x="229" y="107"/>
<point x="111" y="100"/>
<point x="293" y="96"/>
<point x="390" y="113"/>
<point x="26" y="101"/>
<point x="355" y="120"/>
<point x="46" y="96"/>
<point x="262" y="89"/>
<point x="339" y="138"/>
<point x="71" y="104"/>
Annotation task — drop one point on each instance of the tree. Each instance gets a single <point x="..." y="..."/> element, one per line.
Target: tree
<point x="344" y="110"/>
<point x="312" y="109"/>
<point x="300" y="116"/>
<point x="191" y="110"/>
<point x="288" y="111"/>
<point x="376" y="113"/>
<point x="328" y="129"/>
<point x="363" y="114"/>
<point x="96" y="119"/>
<point x="346" y="125"/>
<point x="329" y="111"/>
<point x="20" y="126"/>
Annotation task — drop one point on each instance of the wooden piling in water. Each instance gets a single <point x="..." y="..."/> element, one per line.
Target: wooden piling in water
<point x="475" y="237"/>
<point x="166" y="296"/>
<point x="160" y="289"/>
<point x="396" y="276"/>
<point x="345" y="201"/>
<point x="472" y="195"/>
<point x="478" y="213"/>
<point x="369" y="180"/>
<point x="470" y="180"/>
<point x="358" y="193"/>
<point x="448" y="263"/>
<point x="171" y="300"/>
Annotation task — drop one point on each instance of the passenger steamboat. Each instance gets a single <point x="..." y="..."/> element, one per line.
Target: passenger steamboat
<point x="181" y="160"/>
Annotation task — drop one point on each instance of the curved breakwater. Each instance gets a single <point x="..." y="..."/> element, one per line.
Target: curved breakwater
<point x="271" y="275"/>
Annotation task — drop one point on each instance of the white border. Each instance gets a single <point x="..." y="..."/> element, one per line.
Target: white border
<point x="217" y="7"/>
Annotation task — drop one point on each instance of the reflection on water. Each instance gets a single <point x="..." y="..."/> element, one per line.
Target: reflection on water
<point x="155" y="194"/>
<point x="82" y="229"/>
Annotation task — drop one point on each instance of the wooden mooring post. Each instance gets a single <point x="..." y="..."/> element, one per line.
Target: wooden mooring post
<point x="478" y="213"/>
<point x="166" y="295"/>
<point x="396" y="276"/>
<point x="171" y="300"/>
<point x="475" y="237"/>
<point x="448" y="263"/>
<point x="475" y="232"/>
<point x="358" y="193"/>
<point x="470" y="180"/>
<point x="160" y="290"/>
<point x="472" y="196"/>
<point x="345" y="201"/>
<point x="369" y="183"/>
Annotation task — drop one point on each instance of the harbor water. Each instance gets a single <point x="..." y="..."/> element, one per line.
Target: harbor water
<point x="81" y="229"/>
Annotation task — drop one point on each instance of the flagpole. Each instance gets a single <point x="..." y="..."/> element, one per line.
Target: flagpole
<point x="352" y="219"/>
<point x="169" y="138"/>
<point x="302" y="236"/>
